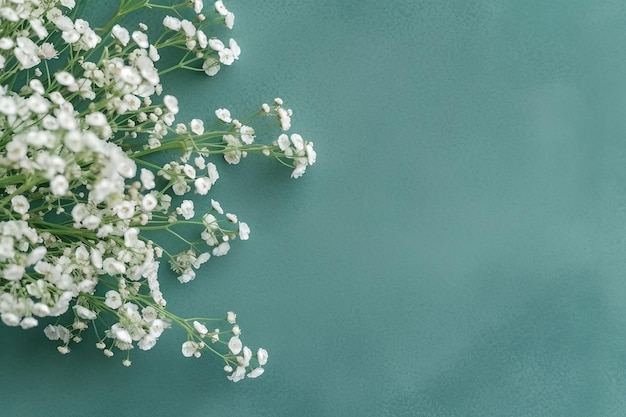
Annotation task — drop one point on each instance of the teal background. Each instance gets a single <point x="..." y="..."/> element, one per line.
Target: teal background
<point x="458" y="249"/>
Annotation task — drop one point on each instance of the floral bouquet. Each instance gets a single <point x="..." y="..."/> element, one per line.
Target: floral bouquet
<point x="84" y="119"/>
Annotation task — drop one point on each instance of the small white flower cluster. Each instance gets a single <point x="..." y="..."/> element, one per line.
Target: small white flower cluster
<point x="293" y="148"/>
<point x="79" y="185"/>
<point x="239" y="359"/>
<point x="190" y="35"/>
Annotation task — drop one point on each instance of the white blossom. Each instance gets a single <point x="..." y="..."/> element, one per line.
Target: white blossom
<point x="244" y="231"/>
<point x="59" y="185"/>
<point x="186" y="209"/>
<point x="223" y="115"/>
<point x="197" y="126"/>
<point x="226" y="56"/>
<point x="235" y="345"/>
<point x="219" y="6"/>
<point x="147" y="179"/>
<point x="229" y="20"/>
<point x="172" y="23"/>
<point x="221" y="250"/>
<point x="141" y="39"/>
<point x="121" y="34"/>
<point x="20" y="204"/>
<point x="262" y="356"/>
<point x="189" y="348"/>
<point x="211" y="66"/>
<point x="200" y="328"/>
<point x="84" y="313"/>
<point x="238" y="374"/>
<point x="202" y="185"/>
<point x="256" y="372"/>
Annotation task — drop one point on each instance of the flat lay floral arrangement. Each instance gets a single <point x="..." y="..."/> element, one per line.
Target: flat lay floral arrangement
<point x="84" y="119"/>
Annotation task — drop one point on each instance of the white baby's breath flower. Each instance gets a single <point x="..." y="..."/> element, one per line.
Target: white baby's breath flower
<point x="223" y="115"/>
<point x="47" y="51"/>
<point x="220" y="8"/>
<point x="197" y="126"/>
<point x="211" y="66"/>
<point x="298" y="171"/>
<point x="141" y="39"/>
<point x="172" y="23"/>
<point x="70" y="36"/>
<point x="6" y="43"/>
<point x="125" y="210"/>
<point x="113" y="267"/>
<point x="197" y="6"/>
<point x="187" y="276"/>
<point x="131" y="237"/>
<point x="217" y="206"/>
<point x="188" y="28"/>
<point x="238" y="374"/>
<point x="40" y="30"/>
<point x="180" y="187"/>
<point x="96" y="119"/>
<point x="13" y="272"/>
<point x="147" y="342"/>
<point x="149" y="314"/>
<point x="246" y="134"/>
<point x="201" y="259"/>
<point x="149" y="202"/>
<point x="189" y="348"/>
<point x="262" y="356"/>
<point x="203" y="41"/>
<point x="121" y="34"/>
<point x="244" y="231"/>
<point x="157" y="327"/>
<point x="57" y="332"/>
<point x="256" y="372"/>
<point x="283" y="142"/>
<point x="153" y="53"/>
<point x="59" y="185"/>
<point x="171" y="103"/>
<point x="216" y="44"/>
<point x="20" y="204"/>
<point x="84" y="313"/>
<point x="65" y="78"/>
<point x="26" y="52"/>
<point x="147" y="179"/>
<point x="212" y="172"/>
<point x="231" y="317"/>
<point x="229" y="20"/>
<point x="70" y="4"/>
<point x="202" y="185"/>
<point x="189" y="171"/>
<point x="121" y="334"/>
<point x="221" y="249"/>
<point x="234" y="48"/>
<point x="113" y="299"/>
<point x="235" y="345"/>
<point x="200" y="328"/>
<point x="186" y="209"/>
<point x="310" y="153"/>
<point x="28" y="323"/>
<point x="284" y="118"/>
<point x="226" y="56"/>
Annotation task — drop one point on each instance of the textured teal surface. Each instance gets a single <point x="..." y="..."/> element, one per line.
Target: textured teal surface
<point x="459" y="249"/>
